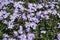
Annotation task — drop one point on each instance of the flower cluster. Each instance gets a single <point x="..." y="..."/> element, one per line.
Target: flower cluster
<point x="25" y="19"/>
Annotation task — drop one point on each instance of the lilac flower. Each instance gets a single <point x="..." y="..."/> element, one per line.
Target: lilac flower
<point x="30" y="36"/>
<point x="11" y="1"/>
<point x="5" y="2"/>
<point x="5" y="35"/>
<point x="4" y="39"/>
<point x="54" y="12"/>
<point x="11" y="39"/>
<point x="31" y="14"/>
<point x="49" y="11"/>
<point x="24" y="16"/>
<point x="58" y="25"/>
<point x="34" y="19"/>
<point x="20" y="31"/>
<point x="1" y="5"/>
<point x="58" y="15"/>
<point x="45" y="12"/>
<point x="58" y="36"/>
<point x="22" y="37"/>
<point x="52" y="5"/>
<point x="28" y="16"/>
<point x="43" y="31"/>
<point x="57" y="6"/>
<point x="33" y="25"/>
<point x="15" y="33"/>
<point x="30" y="10"/>
<point x="27" y="29"/>
<point x="5" y="22"/>
<point x="42" y="16"/>
<point x="14" y="16"/>
<point x="46" y="6"/>
<point x="30" y="5"/>
<point x="10" y="25"/>
<point x="21" y="2"/>
<point x="27" y="24"/>
<point x="47" y="17"/>
<point x="1" y="18"/>
<point x="1" y="13"/>
<point x="16" y="4"/>
<point x="30" y="24"/>
<point x="39" y="13"/>
<point x="21" y="8"/>
<point x="39" y="6"/>
<point x="4" y="8"/>
<point x="6" y="15"/>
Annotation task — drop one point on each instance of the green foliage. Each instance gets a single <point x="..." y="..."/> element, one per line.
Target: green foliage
<point x="50" y="26"/>
<point x="2" y="28"/>
<point x="33" y="1"/>
<point x="15" y="28"/>
<point x="1" y="34"/>
<point x="10" y="8"/>
<point x="17" y="0"/>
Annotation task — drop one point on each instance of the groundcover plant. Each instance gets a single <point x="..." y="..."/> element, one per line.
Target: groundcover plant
<point x="29" y="19"/>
